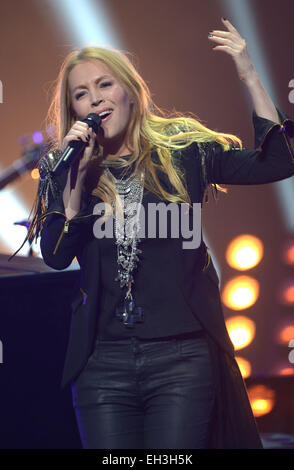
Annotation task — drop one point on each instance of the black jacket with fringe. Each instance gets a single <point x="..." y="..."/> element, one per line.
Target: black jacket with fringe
<point x="205" y="165"/>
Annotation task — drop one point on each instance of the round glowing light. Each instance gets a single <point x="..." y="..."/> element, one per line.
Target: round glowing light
<point x="288" y="294"/>
<point x="38" y="137"/>
<point x="35" y="174"/>
<point x="288" y="253"/>
<point x="244" y="365"/>
<point x="261" y="407"/>
<point x="286" y="335"/>
<point x="262" y="399"/>
<point x="240" y="292"/>
<point x="244" y="252"/>
<point x="241" y="331"/>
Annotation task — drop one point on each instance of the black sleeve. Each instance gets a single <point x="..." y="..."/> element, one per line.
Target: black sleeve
<point x="61" y="239"/>
<point x="273" y="160"/>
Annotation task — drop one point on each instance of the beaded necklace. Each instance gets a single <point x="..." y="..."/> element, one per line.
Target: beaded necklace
<point x="130" y="191"/>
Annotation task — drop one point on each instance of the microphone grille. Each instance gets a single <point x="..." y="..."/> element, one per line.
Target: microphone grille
<point x="94" y="121"/>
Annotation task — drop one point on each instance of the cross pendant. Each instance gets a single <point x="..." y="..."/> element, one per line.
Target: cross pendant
<point x="129" y="314"/>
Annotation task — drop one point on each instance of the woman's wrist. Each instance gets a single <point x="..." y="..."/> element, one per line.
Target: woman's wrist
<point x="72" y="194"/>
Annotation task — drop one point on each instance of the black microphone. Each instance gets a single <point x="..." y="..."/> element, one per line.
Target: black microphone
<point x="75" y="146"/>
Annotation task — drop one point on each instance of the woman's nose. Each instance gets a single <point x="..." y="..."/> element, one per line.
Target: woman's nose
<point x="96" y="96"/>
<point x="96" y="101"/>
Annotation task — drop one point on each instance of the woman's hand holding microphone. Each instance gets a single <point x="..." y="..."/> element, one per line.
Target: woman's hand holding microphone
<point x="73" y="189"/>
<point x="81" y="131"/>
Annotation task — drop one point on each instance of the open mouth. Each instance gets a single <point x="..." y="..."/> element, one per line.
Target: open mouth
<point x="105" y="114"/>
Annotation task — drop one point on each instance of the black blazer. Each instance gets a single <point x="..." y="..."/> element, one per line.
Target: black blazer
<point x="62" y="240"/>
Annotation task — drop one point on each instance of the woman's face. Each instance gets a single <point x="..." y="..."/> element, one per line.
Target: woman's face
<point x="94" y="89"/>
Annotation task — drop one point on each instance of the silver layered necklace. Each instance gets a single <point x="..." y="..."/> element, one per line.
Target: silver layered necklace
<point x="130" y="191"/>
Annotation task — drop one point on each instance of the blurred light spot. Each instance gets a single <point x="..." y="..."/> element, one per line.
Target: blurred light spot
<point x="289" y="295"/>
<point x="288" y="253"/>
<point x="262" y="399"/>
<point x="286" y="335"/>
<point x="241" y="330"/>
<point x="287" y="371"/>
<point x="262" y="406"/>
<point x="245" y="366"/>
<point x="35" y="174"/>
<point x="12" y="210"/>
<point x="287" y="292"/>
<point x="244" y="252"/>
<point x="240" y="292"/>
<point x="38" y="137"/>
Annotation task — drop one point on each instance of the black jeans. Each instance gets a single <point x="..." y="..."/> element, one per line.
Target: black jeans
<point x="146" y="394"/>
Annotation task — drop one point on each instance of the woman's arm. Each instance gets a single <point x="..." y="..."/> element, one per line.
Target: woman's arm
<point x="233" y="44"/>
<point x="66" y="220"/>
<point x="72" y="194"/>
<point x="272" y="161"/>
<point x="262" y="103"/>
<point x="274" y="158"/>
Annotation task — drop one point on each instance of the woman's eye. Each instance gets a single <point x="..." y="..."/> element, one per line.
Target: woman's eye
<point x="79" y="95"/>
<point x="104" y="84"/>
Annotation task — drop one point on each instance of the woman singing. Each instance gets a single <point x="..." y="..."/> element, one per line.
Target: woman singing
<point x="149" y="359"/>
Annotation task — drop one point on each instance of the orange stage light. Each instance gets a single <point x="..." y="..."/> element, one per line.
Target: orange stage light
<point x="262" y="399"/>
<point x="35" y="174"/>
<point x="240" y="292"/>
<point x="245" y="366"/>
<point x="241" y="330"/>
<point x="287" y="371"/>
<point x="288" y="254"/>
<point x="288" y="294"/>
<point x="286" y="335"/>
<point x="244" y="252"/>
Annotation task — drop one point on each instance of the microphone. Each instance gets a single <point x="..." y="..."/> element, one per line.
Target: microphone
<point x="75" y="146"/>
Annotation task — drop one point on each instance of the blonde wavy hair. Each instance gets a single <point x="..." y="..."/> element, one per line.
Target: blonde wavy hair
<point x="150" y="128"/>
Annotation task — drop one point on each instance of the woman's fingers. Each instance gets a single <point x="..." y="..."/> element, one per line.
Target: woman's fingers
<point x="229" y="38"/>
<point x="79" y="131"/>
<point x="229" y="26"/>
<point x="233" y="44"/>
<point x="222" y="41"/>
<point x="82" y="129"/>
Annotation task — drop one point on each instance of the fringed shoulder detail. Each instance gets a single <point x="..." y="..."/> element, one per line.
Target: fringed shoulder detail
<point x="48" y="188"/>
<point x="47" y="184"/>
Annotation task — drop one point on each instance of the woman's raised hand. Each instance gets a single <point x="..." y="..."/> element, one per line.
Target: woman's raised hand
<point x="233" y="44"/>
<point x="81" y="131"/>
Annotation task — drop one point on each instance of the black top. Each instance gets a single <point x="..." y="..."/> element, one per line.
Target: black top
<point x="154" y="288"/>
<point x="63" y="239"/>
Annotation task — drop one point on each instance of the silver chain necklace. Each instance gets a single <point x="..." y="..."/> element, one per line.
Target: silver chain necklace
<point x="130" y="191"/>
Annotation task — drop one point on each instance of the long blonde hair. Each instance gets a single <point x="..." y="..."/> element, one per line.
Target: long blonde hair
<point x="149" y="128"/>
